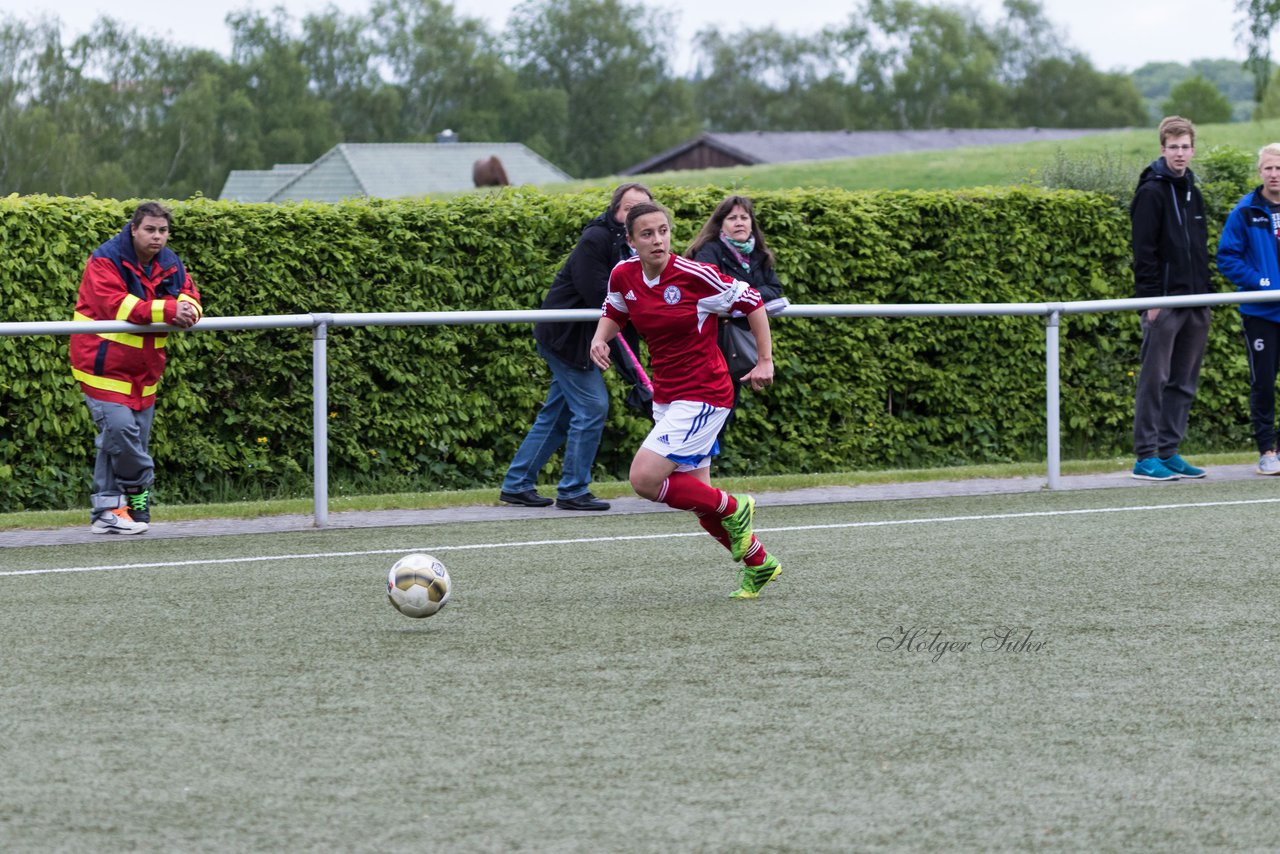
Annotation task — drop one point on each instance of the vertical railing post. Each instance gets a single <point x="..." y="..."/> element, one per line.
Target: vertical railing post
<point x="1051" y="395"/>
<point x="320" y="417"/>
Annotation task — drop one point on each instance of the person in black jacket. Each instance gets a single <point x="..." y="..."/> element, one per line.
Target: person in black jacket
<point x="731" y="240"/>
<point x="577" y="404"/>
<point x="1170" y="257"/>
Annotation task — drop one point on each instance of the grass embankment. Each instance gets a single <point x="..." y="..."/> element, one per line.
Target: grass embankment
<point x="956" y="168"/>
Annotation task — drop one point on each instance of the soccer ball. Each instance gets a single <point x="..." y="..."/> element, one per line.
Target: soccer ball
<point x="418" y="585"/>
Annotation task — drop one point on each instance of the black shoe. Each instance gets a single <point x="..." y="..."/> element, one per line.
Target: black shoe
<point x="528" y="498"/>
<point x="586" y="501"/>
<point x="139" y="504"/>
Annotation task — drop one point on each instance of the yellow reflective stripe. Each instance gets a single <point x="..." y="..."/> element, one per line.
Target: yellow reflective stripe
<point x="104" y="383"/>
<point x="126" y="307"/>
<point x="108" y="384"/>
<point x="157" y="311"/>
<point x="128" y="339"/>
<point x="196" y="303"/>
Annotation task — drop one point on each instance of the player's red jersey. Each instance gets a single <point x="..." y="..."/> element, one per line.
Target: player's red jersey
<point x="678" y="316"/>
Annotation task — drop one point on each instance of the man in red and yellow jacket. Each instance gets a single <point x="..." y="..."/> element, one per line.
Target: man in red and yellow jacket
<point x="133" y="277"/>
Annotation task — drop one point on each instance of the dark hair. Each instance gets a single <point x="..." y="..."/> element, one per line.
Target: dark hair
<point x="621" y="191"/>
<point x="644" y="209"/>
<point x="710" y="232"/>
<point x="147" y="209"/>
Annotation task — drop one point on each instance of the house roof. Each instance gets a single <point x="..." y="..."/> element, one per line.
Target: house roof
<point x="757" y="147"/>
<point x="389" y="170"/>
<point x="256" y="185"/>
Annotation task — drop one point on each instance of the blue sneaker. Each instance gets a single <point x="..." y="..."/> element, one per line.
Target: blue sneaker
<point x="1181" y="467"/>
<point x="1150" y="468"/>
<point x="1268" y="464"/>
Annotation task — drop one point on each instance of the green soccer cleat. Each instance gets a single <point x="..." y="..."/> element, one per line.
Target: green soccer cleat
<point x="738" y="526"/>
<point x="754" y="578"/>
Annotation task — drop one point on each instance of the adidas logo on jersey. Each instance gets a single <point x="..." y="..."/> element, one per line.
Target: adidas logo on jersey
<point x="631" y="295"/>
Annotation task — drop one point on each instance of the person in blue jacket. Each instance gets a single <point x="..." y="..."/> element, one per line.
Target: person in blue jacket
<point x="1248" y="256"/>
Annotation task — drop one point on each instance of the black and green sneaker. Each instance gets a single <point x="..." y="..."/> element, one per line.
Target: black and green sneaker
<point x="139" y="505"/>
<point x="754" y="578"/>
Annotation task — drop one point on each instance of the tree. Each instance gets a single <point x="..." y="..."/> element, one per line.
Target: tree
<point x="116" y="113"/>
<point x="1071" y="93"/>
<point x="1199" y="100"/>
<point x="932" y="66"/>
<point x="341" y="59"/>
<point x="621" y="103"/>
<point x="1025" y="38"/>
<point x="764" y="79"/>
<point x="1231" y="78"/>
<point x="209" y="126"/>
<point x="1270" y="106"/>
<point x="441" y="63"/>
<point x="1156" y="80"/>
<point x="30" y="58"/>
<point x="1258" y="22"/>
<point x="293" y="124"/>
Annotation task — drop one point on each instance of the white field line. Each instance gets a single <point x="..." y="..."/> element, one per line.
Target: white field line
<point x="932" y="520"/>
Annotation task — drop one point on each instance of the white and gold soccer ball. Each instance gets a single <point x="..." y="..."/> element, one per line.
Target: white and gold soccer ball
<point x="418" y="585"/>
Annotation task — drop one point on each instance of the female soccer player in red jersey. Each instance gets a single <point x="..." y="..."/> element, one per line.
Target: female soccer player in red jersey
<point x="675" y="304"/>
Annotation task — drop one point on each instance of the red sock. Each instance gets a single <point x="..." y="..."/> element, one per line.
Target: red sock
<point x="711" y="523"/>
<point x="755" y="553"/>
<point x="683" y="491"/>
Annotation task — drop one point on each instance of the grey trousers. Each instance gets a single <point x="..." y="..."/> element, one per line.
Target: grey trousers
<point x="123" y="463"/>
<point x="1172" y="349"/>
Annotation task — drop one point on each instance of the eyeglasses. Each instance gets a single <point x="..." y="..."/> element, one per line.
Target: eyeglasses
<point x="1179" y="147"/>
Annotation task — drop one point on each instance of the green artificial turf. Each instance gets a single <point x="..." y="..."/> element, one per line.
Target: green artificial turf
<point x="591" y="688"/>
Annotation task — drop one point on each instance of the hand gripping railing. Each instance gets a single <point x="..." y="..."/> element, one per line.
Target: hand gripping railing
<point x="320" y="323"/>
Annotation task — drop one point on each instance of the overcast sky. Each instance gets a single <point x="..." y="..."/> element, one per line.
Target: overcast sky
<point x="1114" y="34"/>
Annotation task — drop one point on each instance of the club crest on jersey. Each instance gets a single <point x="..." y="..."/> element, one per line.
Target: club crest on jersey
<point x="671" y="295"/>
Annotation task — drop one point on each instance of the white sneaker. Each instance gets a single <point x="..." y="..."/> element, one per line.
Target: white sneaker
<point x="117" y="521"/>
<point x="1268" y="464"/>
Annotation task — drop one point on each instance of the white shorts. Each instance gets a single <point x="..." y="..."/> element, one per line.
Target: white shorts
<point x="685" y="432"/>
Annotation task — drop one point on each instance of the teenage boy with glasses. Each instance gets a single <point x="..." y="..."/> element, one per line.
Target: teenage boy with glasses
<point x="1170" y="257"/>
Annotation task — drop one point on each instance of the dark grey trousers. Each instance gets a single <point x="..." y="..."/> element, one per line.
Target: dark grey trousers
<point x="123" y="462"/>
<point x="1172" y="349"/>
<point x="1262" y="344"/>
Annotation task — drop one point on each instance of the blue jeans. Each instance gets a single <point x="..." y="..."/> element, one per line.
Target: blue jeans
<point x="573" y="415"/>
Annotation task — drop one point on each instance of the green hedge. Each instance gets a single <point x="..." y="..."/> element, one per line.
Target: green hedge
<point x="445" y="407"/>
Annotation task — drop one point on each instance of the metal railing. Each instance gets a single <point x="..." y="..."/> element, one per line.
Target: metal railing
<point x="320" y="323"/>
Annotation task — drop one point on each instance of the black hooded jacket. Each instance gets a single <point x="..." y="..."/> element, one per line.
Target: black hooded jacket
<point x="583" y="282"/>
<point x="1170" y="234"/>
